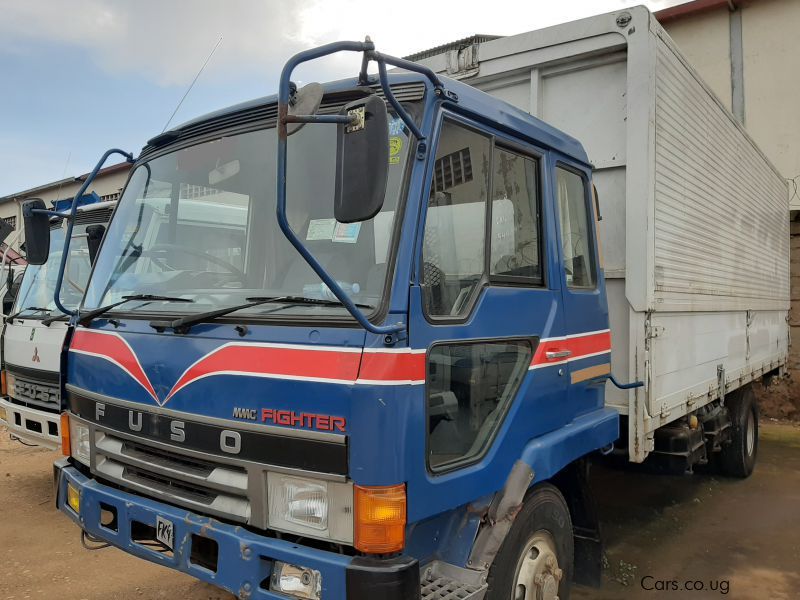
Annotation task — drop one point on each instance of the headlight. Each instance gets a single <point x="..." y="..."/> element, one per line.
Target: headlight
<point x="79" y="441"/>
<point x="312" y="507"/>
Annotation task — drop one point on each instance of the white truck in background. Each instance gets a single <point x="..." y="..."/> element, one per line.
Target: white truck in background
<point x="35" y="332"/>
<point x="694" y="230"/>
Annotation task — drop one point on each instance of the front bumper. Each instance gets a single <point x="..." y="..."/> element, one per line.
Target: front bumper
<point x="245" y="559"/>
<point x="33" y="426"/>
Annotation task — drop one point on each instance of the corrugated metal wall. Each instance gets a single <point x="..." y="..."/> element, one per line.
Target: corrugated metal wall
<point x="721" y="225"/>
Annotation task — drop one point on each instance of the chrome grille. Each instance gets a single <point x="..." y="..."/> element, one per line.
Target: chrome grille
<point x="199" y="484"/>
<point x="35" y="393"/>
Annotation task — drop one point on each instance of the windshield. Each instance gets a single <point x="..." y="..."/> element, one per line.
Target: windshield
<point x="199" y="223"/>
<point x="39" y="282"/>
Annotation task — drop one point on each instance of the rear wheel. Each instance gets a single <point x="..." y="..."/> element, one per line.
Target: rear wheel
<point x="535" y="560"/>
<point x="738" y="458"/>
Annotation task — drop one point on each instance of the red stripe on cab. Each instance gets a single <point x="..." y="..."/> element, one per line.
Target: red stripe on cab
<point x="578" y="346"/>
<point x="112" y="347"/>
<point x="266" y="361"/>
<point x="392" y="367"/>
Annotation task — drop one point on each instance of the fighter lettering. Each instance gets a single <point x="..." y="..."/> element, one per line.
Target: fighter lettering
<point x="306" y="420"/>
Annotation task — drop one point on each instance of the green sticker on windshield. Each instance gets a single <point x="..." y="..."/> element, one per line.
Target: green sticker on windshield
<point x="395" y="146"/>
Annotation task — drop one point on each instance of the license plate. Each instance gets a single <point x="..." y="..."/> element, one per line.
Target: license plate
<point x="165" y="532"/>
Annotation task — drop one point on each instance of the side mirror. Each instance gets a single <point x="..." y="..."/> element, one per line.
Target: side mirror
<point x="37" y="231"/>
<point x="12" y="289"/>
<point x="362" y="161"/>
<point x="94" y="236"/>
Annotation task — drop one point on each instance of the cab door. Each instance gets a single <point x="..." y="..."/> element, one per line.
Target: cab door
<point x="485" y="297"/>
<point x="586" y="348"/>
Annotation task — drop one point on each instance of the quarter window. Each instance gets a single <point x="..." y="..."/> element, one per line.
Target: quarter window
<point x="576" y="240"/>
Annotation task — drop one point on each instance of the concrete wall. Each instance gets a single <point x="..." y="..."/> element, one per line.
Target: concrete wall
<point x="771" y="31"/>
<point x="794" y="312"/>
<point x="705" y="40"/>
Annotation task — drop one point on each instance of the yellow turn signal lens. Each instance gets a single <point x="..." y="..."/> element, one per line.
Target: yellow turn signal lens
<point x="74" y="498"/>
<point x="380" y="519"/>
<point x="65" y="442"/>
<point x="3" y="387"/>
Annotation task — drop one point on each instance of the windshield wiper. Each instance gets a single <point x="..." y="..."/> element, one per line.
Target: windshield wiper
<point x="60" y="317"/>
<point x="85" y="318"/>
<point x="183" y="324"/>
<point x="37" y="309"/>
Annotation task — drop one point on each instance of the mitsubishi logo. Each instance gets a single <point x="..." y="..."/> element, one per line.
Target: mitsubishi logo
<point x="35" y="357"/>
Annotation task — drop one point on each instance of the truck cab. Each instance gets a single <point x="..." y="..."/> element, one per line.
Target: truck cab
<point x="287" y="396"/>
<point x="35" y="332"/>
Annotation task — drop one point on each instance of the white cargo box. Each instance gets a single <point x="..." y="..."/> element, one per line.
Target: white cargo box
<point x="695" y="229"/>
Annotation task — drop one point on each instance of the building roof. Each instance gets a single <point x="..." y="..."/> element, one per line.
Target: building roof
<point x="692" y="8"/>
<point x="32" y="192"/>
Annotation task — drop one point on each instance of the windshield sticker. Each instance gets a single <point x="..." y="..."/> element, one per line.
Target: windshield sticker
<point x="320" y="229"/>
<point x="395" y="146"/>
<point x="346" y="232"/>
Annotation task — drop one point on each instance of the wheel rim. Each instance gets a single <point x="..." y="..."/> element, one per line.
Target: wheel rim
<point x="537" y="575"/>
<point x="751" y="433"/>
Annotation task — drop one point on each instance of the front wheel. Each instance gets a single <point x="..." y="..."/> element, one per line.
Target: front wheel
<point x="535" y="560"/>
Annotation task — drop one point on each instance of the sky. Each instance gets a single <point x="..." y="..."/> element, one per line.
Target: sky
<point x="79" y="77"/>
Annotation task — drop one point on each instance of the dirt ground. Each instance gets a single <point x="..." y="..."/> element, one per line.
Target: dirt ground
<point x="742" y="536"/>
<point x="781" y="399"/>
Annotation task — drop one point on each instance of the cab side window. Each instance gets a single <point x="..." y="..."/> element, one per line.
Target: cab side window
<point x="576" y="239"/>
<point x="515" y="217"/>
<point x="455" y="232"/>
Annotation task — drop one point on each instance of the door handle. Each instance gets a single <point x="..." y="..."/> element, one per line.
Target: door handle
<point x="551" y="354"/>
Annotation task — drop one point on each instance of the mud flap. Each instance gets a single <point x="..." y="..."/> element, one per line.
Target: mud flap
<point x="57" y="467"/>
<point x="573" y="482"/>
<point x="500" y="517"/>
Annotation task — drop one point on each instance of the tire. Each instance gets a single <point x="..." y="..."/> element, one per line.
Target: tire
<point x="543" y="528"/>
<point x="738" y="457"/>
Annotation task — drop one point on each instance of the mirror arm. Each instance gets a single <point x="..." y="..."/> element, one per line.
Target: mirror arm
<point x="343" y="119"/>
<point x="401" y="112"/>
<point x="71" y="220"/>
<point x="285" y="89"/>
<point x="284" y="92"/>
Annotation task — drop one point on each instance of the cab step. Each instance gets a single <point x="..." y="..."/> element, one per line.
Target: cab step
<point x="441" y="581"/>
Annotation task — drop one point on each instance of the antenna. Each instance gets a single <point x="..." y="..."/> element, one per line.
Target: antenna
<point x="191" y="85"/>
<point x="63" y="175"/>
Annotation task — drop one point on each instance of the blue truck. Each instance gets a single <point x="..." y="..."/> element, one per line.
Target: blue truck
<point x="349" y="341"/>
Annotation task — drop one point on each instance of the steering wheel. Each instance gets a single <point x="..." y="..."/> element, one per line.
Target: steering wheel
<point x="201" y="254"/>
